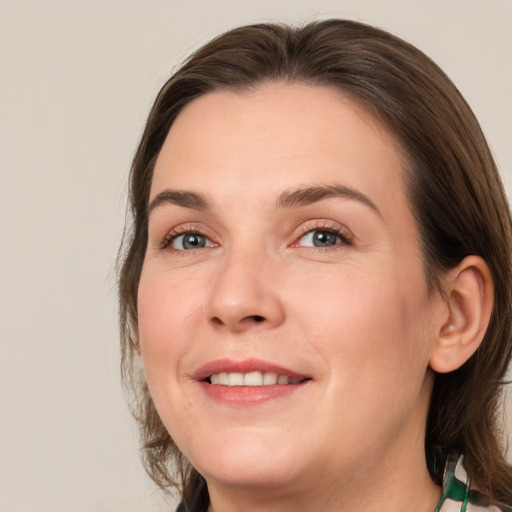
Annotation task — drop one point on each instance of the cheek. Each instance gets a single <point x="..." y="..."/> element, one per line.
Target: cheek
<point x="366" y="321"/>
<point x="166" y="319"/>
<point x="167" y="323"/>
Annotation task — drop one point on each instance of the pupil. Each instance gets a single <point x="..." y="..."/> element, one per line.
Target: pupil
<point x="193" y="241"/>
<point x="324" y="239"/>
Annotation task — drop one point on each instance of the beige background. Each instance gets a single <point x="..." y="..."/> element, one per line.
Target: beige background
<point x="77" y="79"/>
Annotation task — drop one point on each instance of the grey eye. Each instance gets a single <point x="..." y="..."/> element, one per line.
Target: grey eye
<point x="318" y="238"/>
<point x="190" y="241"/>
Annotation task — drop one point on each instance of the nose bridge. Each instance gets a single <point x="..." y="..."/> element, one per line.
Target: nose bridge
<point x="243" y="293"/>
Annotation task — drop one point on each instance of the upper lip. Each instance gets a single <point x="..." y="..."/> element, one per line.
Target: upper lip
<point x="243" y="366"/>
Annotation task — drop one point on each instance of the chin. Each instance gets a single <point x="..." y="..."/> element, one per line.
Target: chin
<point x="248" y="462"/>
<point x="264" y="475"/>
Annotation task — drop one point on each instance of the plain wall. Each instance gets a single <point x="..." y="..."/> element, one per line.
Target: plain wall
<point x="77" y="79"/>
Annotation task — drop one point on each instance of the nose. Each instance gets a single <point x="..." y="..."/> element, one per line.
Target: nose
<point x="244" y="295"/>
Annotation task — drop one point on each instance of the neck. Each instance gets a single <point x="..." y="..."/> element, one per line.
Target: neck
<point x="392" y="485"/>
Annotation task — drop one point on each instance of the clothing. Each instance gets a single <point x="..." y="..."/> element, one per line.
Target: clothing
<point x="458" y="495"/>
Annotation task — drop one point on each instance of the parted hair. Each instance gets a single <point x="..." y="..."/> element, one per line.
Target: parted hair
<point x="452" y="185"/>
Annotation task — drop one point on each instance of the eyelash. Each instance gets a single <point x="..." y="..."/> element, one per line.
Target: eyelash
<point x="345" y="237"/>
<point x="172" y="235"/>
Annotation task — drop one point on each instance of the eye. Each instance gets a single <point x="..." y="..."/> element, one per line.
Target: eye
<point x="321" y="238"/>
<point x="190" y="242"/>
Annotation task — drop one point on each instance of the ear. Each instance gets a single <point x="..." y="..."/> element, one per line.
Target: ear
<point x="462" y="322"/>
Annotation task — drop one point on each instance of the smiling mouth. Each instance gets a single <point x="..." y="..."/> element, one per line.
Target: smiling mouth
<point x="233" y="379"/>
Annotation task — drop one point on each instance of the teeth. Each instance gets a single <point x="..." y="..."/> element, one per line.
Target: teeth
<point x="252" y="379"/>
<point x="235" y="379"/>
<point x="269" y="378"/>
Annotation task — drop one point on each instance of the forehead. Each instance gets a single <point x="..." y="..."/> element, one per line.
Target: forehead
<point x="278" y="136"/>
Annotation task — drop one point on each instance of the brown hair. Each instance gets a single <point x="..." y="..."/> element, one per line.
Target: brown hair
<point x="453" y="187"/>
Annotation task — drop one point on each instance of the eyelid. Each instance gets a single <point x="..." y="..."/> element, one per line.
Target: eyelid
<point x="184" y="229"/>
<point x="328" y="225"/>
<point x="346" y="236"/>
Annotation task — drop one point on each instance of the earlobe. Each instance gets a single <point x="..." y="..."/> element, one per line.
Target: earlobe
<point x="468" y="299"/>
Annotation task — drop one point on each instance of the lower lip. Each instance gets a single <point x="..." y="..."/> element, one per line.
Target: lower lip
<point x="249" y="395"/>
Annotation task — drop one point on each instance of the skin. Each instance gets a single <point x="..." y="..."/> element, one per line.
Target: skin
<point x="354" y="317"/>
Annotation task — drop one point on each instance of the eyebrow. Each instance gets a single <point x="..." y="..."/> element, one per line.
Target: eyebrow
<point x="179" y="198"/>
<point x="304" y="196"/>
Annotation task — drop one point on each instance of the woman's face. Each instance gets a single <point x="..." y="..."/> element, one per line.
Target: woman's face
<point x="281" y="246"/>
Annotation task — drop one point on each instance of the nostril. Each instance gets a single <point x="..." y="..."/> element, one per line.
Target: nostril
<point x="246" y="320"/>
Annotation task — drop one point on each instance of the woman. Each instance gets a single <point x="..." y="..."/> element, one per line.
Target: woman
<point x="318" y="280"/>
